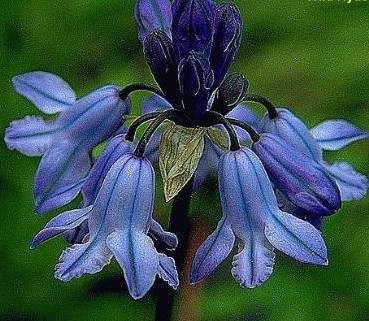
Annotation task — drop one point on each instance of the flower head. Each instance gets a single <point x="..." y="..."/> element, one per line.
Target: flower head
<point x="274" y="183"/>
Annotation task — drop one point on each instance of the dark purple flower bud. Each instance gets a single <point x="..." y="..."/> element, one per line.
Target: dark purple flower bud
<point x="195" y="80"/>
<point x="152" y="15"/>
<point x="193" y="25"/>
<point x="230" y="93"/>
<point x="162" y="60"/>
<point x="227" y="40"/>
<point x="304" y="182"/>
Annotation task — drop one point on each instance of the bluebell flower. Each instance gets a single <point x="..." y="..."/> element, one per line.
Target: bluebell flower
<point x="118" y="223"/>
<point x="274" y="183"/>
<point x="330" y="135"/>
<point x="251" y="215"/>
<point x="304" y="182"/>
<point x="65" y="143"/>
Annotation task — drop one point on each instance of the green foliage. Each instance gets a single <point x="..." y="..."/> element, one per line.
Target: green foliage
<point x="309" y="56"/>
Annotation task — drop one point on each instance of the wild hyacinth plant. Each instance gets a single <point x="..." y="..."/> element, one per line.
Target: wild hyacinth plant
<point x="275" y="186"/>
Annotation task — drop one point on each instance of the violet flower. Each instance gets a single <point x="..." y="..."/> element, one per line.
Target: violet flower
<point x="274" y="183"/>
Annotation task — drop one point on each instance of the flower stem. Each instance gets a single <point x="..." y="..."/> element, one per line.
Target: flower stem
<point x="272" y="111"/>
<point x="126" y="91"/>
<point x="180" y="225"/>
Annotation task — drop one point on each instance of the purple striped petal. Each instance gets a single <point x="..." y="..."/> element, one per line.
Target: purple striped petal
<point x="62" y="170"/>
<point x="48" y="92"/>
<point x="60" y="175"/>
<point x="136" y="254"/>
<point x="336" y="134"/>
<point x="115" y="149"/>
<point x="31" y="136"/>
<point x="292" y="130"/>
<point x="247" y="199"/>
<point x="152" y="15"/>
<point x="58" y="225"/>
<point x="167" y="271"/>
<point x="104" y="218"/>
<point x="165" y="239"/>
<point x="296" y="238"/>
<point x="304" y="182"/>
<point x="352" y="185"/>
<point x="212" y="252"/>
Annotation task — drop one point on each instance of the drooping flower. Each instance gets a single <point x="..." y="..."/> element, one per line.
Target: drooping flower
<point x="274" y="194"/>
<point x="65" y="144"/>
<point x="118" y="224"/>
<point x="330" y="135"/>
<point x="251" y="215"/>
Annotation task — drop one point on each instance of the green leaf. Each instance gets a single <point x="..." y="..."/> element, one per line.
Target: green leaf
<point x="179" y="155"/>
<point x="218" y="137"/>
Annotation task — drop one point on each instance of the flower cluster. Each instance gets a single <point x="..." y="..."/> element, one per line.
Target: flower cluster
<point x="275" y="186"/>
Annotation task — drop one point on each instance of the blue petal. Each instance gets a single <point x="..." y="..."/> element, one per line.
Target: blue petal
<point x="58" y="225"/>
<point x="78" y="234"/>
<point x="31" y="136"/>
<point x="352" y="185"/>
<point x="60" y="175"/>
<point x="116" y="148"/>
<point x="48" y="92"/>
<point x="336" y="134"/>
<point x="253" y="265"/>
<point x="286" y="206"/>
<point x="296" y="238"/>
<point x="136" y="255"/>
<point x="91" y="120"/>
<point x="104" y="218"/>
<point x="247" y="199"/>
<point x="94" y="117"/>
<point x="152" y="15"/>
<point x="212" y="252"/>
<point x="167" y="271"/>
<point x="292" y="130"/>
<point x="154" y="103"/>
<point x="165" y="239"/>
<point x="246" y="115"/>
<point x="82" y="259"/>
<point x="208" y="163"/>
<point x="304" y="182"/>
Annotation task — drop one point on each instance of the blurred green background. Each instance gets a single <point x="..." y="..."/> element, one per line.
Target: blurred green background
<point x="310" y="56"/>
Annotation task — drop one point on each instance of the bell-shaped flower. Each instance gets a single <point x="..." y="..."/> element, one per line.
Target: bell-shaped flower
<point x="252" y="217"/>
<point x="302" y="180"/>
<point x="193" y="25"/>
<point x="153" y="15"/>
<point x="66" y="142"/>
<point x="330" y="135"/>
<point x="118" y="224"/>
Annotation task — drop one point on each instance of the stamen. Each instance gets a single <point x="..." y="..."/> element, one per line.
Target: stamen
<point x="272" y="111"/>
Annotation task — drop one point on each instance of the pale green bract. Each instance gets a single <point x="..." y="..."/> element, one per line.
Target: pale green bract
<point x="180" y="151"/>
